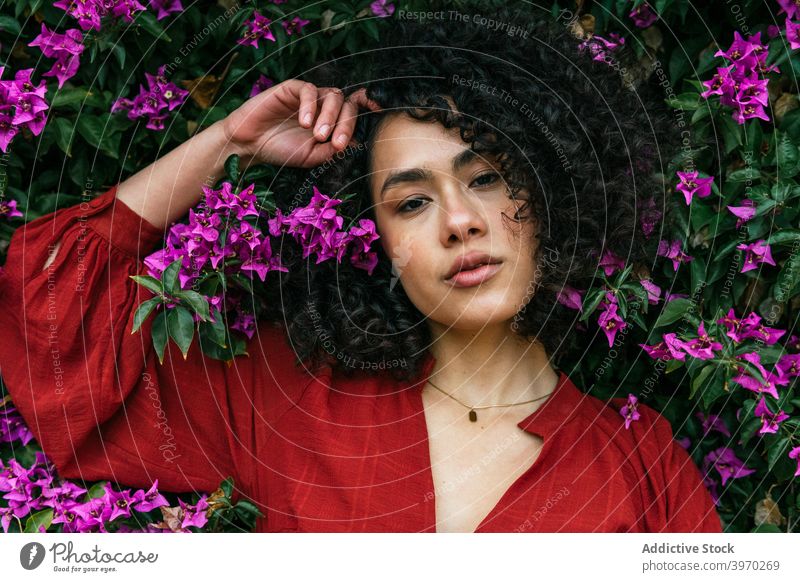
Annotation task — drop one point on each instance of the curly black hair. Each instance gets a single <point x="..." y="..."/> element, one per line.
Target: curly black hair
<point x="585" y="144"/>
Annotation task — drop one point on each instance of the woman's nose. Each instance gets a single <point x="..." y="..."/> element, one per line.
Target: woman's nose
<point x="462" y="216"/>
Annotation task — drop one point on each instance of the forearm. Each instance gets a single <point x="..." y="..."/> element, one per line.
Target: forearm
<point x="165" y="190"/>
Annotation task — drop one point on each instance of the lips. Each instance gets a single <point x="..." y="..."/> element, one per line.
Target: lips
<point x="469" y="262"/>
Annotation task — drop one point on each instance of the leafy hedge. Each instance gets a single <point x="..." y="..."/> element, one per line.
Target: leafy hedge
<point x="707" y="337"/>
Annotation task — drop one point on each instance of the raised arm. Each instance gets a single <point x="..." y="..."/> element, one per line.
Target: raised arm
<point x="293" y="123"/>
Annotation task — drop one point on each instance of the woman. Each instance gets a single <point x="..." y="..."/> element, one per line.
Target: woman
<point x="438" y="408"/>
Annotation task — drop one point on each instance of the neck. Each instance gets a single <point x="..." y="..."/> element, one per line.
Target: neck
<point x="490" y="366"/>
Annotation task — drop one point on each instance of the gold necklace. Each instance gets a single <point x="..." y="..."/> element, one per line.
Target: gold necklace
<point x="473" y="416"/>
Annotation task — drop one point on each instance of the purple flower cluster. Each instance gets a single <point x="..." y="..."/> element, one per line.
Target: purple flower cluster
<point x="65" y="48"/>
<point x="89" y="13"/>
<point x="740" y="85"/>
<point x="22" y="104"/>
<point x="643" y="15"/>
<point x="29" y="490"/>
<point x="727" y="464"/>
<point x="609" y="320"/>
<point x="599" y="47"/>
<point x="257" y="28"/>
<point x="12" y="426"/>
<point x="317" y="227"/>
<point x="151" y="103"/>
<point x="220" y="237"/>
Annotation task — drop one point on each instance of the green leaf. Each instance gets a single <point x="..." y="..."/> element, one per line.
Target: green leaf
<point x="91" y="129"/>
<point x="783" y="237"/>
<point x="215" y="331"/>
<point x="196" y="301"/>
<point x="65" y="132"/>
<point x="143" y="312"/>
<point x="673" y="311"/>
<point x="170" y="278"/>
<point x="697" y="381"/>
<point x="160" y="335"/>
<point x="731" y="133"/>
<point x="148" y="21"/>
<point x="69" y="97"/>
<point x="97" y="490"/>
<point x="777" y="449"/>
<point x="10" y="25"/>
<point x="232" y="167"/>
<point x="591" y="301"/>
<point x="685" y="101"/>
<point x="181" y="328"/>
<point x="150" y="283"/>
<point x="42" y="518"/>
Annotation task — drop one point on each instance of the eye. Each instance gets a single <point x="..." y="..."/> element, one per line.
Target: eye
<point x="405" y="207"/>
<point x="493" y="177"/>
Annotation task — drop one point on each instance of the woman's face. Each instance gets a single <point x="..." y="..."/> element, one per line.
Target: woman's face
<point x="436" y="201"/>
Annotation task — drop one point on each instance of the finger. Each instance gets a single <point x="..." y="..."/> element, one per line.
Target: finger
<point x="345" y="124"/>
<point x="360" y="98"/>
<point x="331" y="104"/>
<point x="308" y="104"/>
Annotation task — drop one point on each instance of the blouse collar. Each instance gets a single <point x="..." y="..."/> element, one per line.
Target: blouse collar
<point x="558" y="409"/>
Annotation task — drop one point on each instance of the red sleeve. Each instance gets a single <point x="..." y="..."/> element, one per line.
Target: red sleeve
<point x="683" y="504"/>
<point x="93" y="394"/>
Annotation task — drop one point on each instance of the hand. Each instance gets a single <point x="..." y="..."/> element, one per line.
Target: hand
<point x="285" y="124"/>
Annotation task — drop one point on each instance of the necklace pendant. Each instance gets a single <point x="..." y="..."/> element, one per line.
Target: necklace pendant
<point x="473" y="416"/>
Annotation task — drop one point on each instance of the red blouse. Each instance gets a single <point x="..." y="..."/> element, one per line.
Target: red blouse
<point x="317" y="452"/>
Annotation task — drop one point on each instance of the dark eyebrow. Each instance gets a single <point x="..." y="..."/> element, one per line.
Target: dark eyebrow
<point x="464" y="158"/>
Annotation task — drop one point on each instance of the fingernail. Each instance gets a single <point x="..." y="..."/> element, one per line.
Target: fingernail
<point x="307" y="118"/>
<point x="341" y="139"/>
<point x="323" y="130"/>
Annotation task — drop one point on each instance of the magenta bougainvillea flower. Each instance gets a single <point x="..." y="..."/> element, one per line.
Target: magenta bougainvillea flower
<point x="609" y="320"/>
<point x="630" y="411"/>
<point x="744" y="212"/>
<point x="150" y="104"/>
<point x="727" y="464"/>
<point x="296" y="24"/>
<point x="643" y="15"/>
<point x="703" y="347"/>
<point x="600" y="47"/>
<point x="257" y="28"/>
<point x="712" y="422"/>
<point x="769" y="420"/>
<point x="755" y="253"/>
<point x="381" y="8"/>
<point x="571" y="297"/>
<point x="262" y="84"/>
<point x="795" y="454"/>
<point x="8" y="209"/>
<point x="748" y="381"/>
<point x="12" y="426"/>
<point x="65" y="48"/>
<point x="653" y="291"/>
<point x="650" y="215"/>
<point x="166" y="7"/>
<point x="90" y="13"/>
<point x="749" y="327"/>
<point x="611" y="263"/>
<point x="28" y="103"/>
<point x="674" y="252"/>
<point x="692" y="185"/>
<point x="741" y="85"/>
